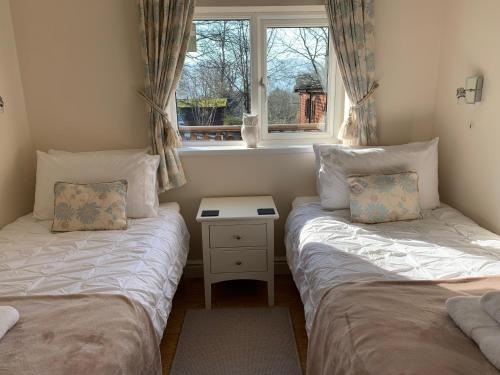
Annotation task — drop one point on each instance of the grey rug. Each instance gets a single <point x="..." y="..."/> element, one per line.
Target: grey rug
<point x="237" y="342"/>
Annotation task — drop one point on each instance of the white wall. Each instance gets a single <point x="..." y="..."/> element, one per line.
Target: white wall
<point x="284" y="176"/>
<point x="81" y="66"/>
<point x="16" y="150"/>
<point x="407" y="35"/>
<point x="469" y="157"/>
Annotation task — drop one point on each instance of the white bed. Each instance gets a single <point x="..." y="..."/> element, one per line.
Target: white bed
<point x="324" y="248"/>
<point x="144" y="262"/>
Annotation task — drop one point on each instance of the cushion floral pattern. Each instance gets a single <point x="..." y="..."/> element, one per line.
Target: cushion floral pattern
<point x="97" y="206"/>
<point x="383" y="198"/>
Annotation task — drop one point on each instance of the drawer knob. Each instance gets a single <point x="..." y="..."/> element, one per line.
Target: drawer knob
<point x="238" y="263"/>
<point x="237" y="237"/>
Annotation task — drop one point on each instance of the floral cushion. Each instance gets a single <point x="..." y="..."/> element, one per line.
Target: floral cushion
<point x="382" y="198"/>
<point x="98" y="206"/>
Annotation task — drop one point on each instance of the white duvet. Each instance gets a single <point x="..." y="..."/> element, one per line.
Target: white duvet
<point x="324" y="248"/>
<point x="144" y="262"/>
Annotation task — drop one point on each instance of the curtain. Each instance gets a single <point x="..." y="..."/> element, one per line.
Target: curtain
<point x="165" y="26"/>
<point x="352" y="30"/>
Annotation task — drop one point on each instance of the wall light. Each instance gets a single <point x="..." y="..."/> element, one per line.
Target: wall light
<point x="472" y="92"/>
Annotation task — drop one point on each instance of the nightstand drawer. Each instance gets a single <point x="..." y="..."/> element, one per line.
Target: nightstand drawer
<point x="238" y="235"/>
<point x="224" y="261"/>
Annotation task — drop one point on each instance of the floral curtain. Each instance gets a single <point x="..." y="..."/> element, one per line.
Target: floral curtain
<point x="352" y="29"/>
<point x="165" y="26"/>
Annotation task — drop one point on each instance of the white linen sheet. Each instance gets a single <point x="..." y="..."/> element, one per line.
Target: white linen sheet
<point x="144" y="262"/>
<point x="324" y="248"/>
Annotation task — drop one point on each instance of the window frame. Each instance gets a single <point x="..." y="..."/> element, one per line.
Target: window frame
<point x="260" y="18"/>
<point x="298" y="21"/>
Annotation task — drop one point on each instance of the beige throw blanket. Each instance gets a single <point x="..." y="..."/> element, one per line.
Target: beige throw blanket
<point x="79" y="335"/>
<point x="395" y="327"/>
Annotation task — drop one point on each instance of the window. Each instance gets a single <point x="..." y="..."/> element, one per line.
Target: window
<point x="214" y="89"/>
<point x="275" y="64"/>
<point x="296" y="63"/>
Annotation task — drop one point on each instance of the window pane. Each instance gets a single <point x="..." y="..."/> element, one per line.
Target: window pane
<point x="297" y="79"/>
<point x="214" y="89"/>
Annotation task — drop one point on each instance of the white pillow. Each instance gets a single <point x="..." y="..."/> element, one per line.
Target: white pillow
<point x="130" y="151"/>
<point x="335" y="162"/>
<point x="104" y="152"/>
<point x="138" y="169"/>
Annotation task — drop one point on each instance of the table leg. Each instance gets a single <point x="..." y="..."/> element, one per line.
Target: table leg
<point x="270" y="292"/>
<point x="208" y="295"/>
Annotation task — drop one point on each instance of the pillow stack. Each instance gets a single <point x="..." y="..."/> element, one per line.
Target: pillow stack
<point x="136" y="168"/>
<point x="335" y="163"/>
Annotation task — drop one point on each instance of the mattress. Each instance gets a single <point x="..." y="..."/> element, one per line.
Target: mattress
<point x="144" y="262"/>
<point x="324" y="248"/>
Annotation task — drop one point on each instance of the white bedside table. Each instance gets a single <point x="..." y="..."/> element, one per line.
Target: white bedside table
<point x="238" y="243"/>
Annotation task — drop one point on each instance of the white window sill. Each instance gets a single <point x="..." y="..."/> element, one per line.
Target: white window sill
<point x="203" y="150"/>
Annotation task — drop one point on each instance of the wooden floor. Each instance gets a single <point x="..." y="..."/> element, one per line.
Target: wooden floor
<point x="240" y="293"/>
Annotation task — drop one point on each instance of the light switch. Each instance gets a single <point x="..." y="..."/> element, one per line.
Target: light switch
<point x="2" y="105"/>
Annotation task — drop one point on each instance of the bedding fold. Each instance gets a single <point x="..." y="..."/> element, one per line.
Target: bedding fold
<point x="395" y="327"/>
<point x="325" y="248"/>
<point x="144" y="262"/>
<point x="79" y="334"/>
<point x="490" y="302"/>
<point x="469" y="316"/>
<point x="8" y="318"/>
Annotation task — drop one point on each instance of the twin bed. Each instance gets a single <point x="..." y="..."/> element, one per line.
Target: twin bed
<point x="364" y="313"/>
<point x="374" y="294"/>
<point x="118" y="284"/>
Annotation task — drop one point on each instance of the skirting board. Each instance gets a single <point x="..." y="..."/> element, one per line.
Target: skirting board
<point x="194" y="268"/>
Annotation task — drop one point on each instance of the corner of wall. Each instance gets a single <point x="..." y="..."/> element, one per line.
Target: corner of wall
<point x="407" y="36"/>
<point x="441" y="7"/>
<point x="17" y="160"/>
<point x="469" y="133"/>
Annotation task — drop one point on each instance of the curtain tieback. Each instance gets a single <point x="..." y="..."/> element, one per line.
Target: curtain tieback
<point x="368" y="95"/>
<point x="173" y="137"/>
<point x="153" y="105"/>
<point x="349" y="130"/>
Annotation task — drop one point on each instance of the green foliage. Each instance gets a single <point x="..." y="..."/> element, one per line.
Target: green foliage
<point x="202" y="102"/>
<point x="282" y="107"/>
<point x="231" y="119"/>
